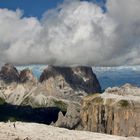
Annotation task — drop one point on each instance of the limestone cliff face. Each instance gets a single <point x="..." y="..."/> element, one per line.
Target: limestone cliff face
<point x="69" y="80"/>
<point x="113" y="113"/>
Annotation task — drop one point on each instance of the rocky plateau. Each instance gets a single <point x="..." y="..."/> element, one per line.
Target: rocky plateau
<point x="116" y="111"/>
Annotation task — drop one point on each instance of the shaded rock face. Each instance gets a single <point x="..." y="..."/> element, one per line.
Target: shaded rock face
<point x="9" y="73"/>
<point x="26" y="75"/>
<point x="77" y="78"/>
<point x="45" y="115"/>
<point x="113" y="113"/>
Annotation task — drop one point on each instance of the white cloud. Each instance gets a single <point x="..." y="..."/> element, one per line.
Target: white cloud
<point x="74" y="33"/>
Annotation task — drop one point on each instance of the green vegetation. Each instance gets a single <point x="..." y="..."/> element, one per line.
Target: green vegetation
<point x="12" y="119"/>
<point x="60" y="104"/>
<point x="93" y="94"/>
<point x="124" y="103"/>
<point x="2" y="101"/>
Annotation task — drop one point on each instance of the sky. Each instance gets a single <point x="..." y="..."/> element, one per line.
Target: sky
<point x="70" y="32"/>
<point x="36" y="7"/>
<point x="30" y="7"/>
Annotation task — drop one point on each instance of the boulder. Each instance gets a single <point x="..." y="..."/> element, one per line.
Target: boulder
<point x="71" y="119"/>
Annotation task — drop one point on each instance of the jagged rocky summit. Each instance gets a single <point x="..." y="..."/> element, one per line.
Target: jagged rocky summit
<point x="9" y="73"/>
<point x="63" y="82"/>
<point x="58" y="89"/>
<point x="116" y="111"/>
<point x="70" y="81"/>
<point x="78" y="78"/>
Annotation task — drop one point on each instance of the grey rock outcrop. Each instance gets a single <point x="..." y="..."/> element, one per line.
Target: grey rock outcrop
<point x="116" y="111"/>
<point x="71" y="119"/>
<point x="9" y="73"/>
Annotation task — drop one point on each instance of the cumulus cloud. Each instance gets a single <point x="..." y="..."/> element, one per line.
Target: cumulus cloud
<point x="76" y="32"/>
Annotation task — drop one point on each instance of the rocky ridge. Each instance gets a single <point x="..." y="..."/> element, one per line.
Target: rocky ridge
<point x="70" y="83"/>
<point x="116" y="111"/>
<point x="58" y="87"/>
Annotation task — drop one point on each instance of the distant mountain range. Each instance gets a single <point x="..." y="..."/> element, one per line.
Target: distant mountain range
<point x="107" y="76"/>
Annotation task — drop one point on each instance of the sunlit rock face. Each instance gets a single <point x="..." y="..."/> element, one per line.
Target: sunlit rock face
<point x="116" y="111"/>
<point x="26" y="75"/>
<point x="126" y="91"/>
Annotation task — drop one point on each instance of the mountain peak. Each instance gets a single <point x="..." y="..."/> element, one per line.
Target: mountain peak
<point x="9" y="73"/>
<point x="27" y="75"/>
<point x="79" y="77"/>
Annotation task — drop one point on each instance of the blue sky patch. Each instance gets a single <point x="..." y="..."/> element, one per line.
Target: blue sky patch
<point x="36" y="8"/>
